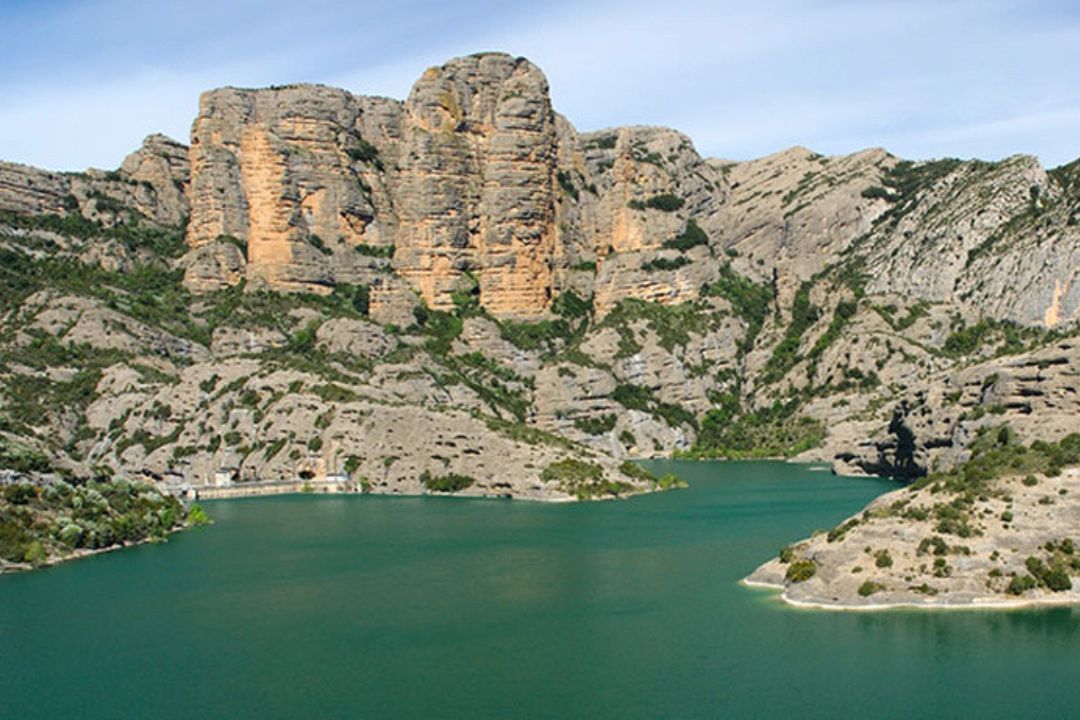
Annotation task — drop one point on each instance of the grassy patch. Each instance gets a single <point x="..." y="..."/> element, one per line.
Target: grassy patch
<point x="583" y="480"/>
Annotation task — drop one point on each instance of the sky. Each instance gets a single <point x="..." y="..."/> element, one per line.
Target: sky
<point x="83" y="81"/>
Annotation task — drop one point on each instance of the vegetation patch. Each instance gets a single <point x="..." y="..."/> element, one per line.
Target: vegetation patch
<point x="596" y="425"/>
<point x="691" y="237"/>
<point x="584" y="480"/>
<point x="869" y="588"/>
<point x="775" y="431"/>
<point x="800" y="571"/>
<point x="664" y="264"/>
<point x="451" y="483"/>
<point x="38" y="523"/>
<point x="668" y="481"/>
<point x="995" y="453"/>
<point x="672" y="324"/>
<point x="803" y="315"/>
<point x="363" y="151"/>
<point x="750" y="301"/>
<point x="637" y="397"/>
<point x="903" y="183"/>
<point x="665" y="202"/>
<point x="573" y="313"/>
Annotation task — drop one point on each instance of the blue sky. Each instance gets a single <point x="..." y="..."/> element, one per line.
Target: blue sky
<point x="81" y="82"/>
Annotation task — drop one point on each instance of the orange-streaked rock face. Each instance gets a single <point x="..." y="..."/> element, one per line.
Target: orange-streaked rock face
<point x="278" y="170"/>
<point x="472" y="181"/>
<point x="270" y="210"/>
<point x="476" y="189"/>
<point x="459" y="179"/>
<point x="475" y="182"/>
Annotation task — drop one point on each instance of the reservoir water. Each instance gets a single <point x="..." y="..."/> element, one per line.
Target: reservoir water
<point x="381" y="607"/>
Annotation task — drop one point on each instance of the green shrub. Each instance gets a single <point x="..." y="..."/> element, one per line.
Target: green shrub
<point x="21" y="458"/>
<point x="665" y="202"/>
<point x="572" y="470"/>
<point x="775" y="431"/>
<point x="1057" y="579"/>
<point x="870" y="587"/>
<point x="375" y="251"/>
<point x="803" y="315"/>
<point x="450" y="483"/>
<point x="329" y="392"/>
<point x="549" y="335"/>
<point x="967" y="340"/>
<point x="633" y="470"/>
<point x="197" y="515"/>
<point x="606" y="142"/>
<point x="904" y="182"/>
<point x="876" y="192"/>
<point x="838" y="532"/>
<point x="363" y="151"/>
<point x="317" y="242"/>
<point x="692" y="236"/>
<point x="673" y="324"/>
<point x="800" y="571"/>
<point x="664" y="264"/>
<point x="598" y="425"/>
<point x="1021" y="584"/>
<point x="35" y="553"/>
<point x="358" y="297"/>
<point x="1054" y="577"/>
<point x="935" y="544"/>
<point x="20" y="493"/>
<point x="670" y="481"/>
<point x="883" y="559"/>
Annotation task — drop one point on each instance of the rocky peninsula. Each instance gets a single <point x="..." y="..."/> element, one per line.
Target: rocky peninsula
<point x="999" y="531"/>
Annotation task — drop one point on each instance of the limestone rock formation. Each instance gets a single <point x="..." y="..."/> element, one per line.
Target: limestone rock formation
<point x="473" y="176"/>
<point x="150" y="186"/>
<point x="431" y="287"/>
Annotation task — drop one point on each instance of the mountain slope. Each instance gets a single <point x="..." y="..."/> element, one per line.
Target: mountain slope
<point x="460" y="292"/>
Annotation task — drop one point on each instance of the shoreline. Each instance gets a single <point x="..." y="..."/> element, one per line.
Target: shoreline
<point x="813" y="465"/>
<point x="987" y="603"/>
<point x="82" y="553"/>
<point x="279" y="488"/>
<point x="459" y="496"/>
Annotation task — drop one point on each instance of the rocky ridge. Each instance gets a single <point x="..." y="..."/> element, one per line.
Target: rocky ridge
<point x="401" y="292"/>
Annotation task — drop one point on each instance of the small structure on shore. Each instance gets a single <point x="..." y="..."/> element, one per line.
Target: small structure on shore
<point x="225" y="477"/>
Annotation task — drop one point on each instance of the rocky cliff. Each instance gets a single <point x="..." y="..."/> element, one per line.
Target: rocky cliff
<point x="462" y="285"/>
<point x="472" y="183"/>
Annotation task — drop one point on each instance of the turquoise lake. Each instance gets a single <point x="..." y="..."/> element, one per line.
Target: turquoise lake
<point x="381" y="607"/>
